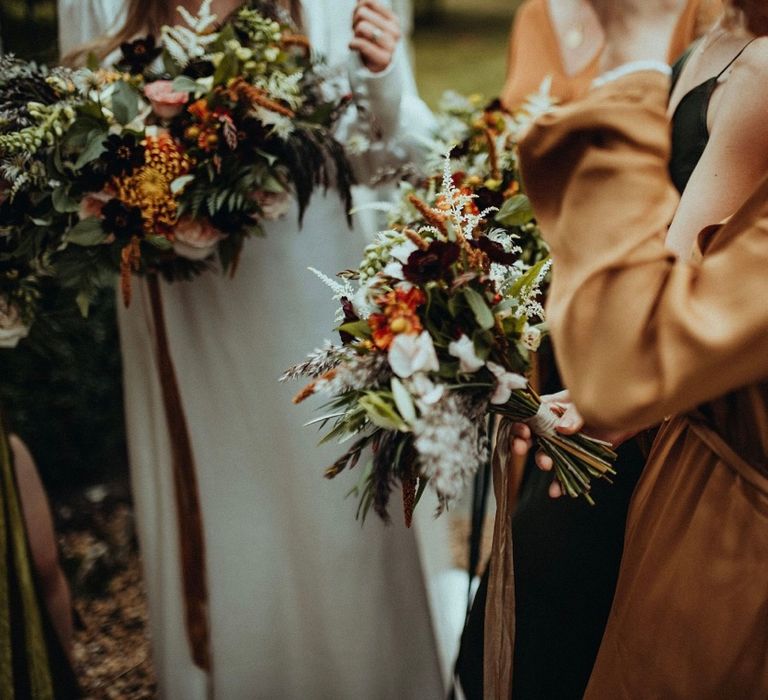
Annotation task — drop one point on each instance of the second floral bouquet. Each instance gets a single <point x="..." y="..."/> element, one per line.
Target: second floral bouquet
<point x="437" y="326"/>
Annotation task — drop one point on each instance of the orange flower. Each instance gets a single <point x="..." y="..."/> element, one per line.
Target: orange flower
<point x="149" y="187"/>
<point x="206" y="132"/>
<point x="398" y="316"/>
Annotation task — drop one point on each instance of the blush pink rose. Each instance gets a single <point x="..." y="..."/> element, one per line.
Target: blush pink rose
<point x="166" y="102"/>
<point x="92" y="204"/>
<point x="195" y="239"/>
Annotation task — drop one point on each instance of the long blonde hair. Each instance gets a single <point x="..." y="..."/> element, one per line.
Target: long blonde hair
<point x="146" y="17"/>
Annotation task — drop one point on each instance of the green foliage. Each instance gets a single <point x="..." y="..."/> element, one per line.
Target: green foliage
<point x="60" y="388"/>
<point x="62" y="393"/>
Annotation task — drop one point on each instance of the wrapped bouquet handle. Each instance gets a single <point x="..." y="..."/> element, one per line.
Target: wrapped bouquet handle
<point x="577" y="458"/>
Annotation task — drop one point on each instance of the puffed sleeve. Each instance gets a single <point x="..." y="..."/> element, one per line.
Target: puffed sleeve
<point x="390" y="116"/>
<point x="83" y="21"/>
<point x="638" y="334"/>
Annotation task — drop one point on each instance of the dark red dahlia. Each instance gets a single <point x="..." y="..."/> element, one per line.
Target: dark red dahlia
<point x="121" y="220"/>
<point x="434" y="263"/>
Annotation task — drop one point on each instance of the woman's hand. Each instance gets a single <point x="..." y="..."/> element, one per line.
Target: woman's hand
<point x="376" y="34"/>
<point x="570" y="422"/>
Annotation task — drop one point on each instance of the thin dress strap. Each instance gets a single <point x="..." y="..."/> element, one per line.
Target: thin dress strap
<point x="733" y="60"/>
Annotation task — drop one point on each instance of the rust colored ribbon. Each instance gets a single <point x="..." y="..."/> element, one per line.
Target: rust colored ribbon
<point x="188" y="512"/>
<point x="499" y="633"/>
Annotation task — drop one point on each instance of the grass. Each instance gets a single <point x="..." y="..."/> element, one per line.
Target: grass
<point x="463" y="48"/>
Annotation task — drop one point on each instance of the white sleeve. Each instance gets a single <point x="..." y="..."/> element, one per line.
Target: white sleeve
<point x="83" y="21"/>
<point x="390" y="115"/>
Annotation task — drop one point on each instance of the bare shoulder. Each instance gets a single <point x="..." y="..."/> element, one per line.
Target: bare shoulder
<point x="744" y="97"/>
<point x="754" y="60"/>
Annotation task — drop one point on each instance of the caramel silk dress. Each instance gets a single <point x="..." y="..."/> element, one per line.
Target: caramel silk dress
<point x="566" y="553"/>
<point x="645" y="338"/>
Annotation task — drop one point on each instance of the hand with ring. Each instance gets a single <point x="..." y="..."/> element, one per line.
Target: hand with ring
<point x="376" y="34"/>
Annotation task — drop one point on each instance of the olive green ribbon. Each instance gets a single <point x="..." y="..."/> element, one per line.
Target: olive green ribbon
<point x="18" y="575"/>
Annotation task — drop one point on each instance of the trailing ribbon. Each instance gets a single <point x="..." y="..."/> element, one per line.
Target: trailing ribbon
<point x="17" y="585"/>
<point x="188" y="511"/>
<point x="499" y="631"/>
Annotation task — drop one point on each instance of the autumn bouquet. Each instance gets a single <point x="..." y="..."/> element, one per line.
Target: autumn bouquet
<point x="171" y="159"/>
<point x="437" y="325"/>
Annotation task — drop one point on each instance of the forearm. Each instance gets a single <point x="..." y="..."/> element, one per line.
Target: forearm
<point x="639" y="335"/>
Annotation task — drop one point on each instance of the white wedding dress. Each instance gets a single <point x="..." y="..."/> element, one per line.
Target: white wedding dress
<point x="304" y="602"/>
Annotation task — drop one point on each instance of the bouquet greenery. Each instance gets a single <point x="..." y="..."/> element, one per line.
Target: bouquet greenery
<point x="167" y="161"/>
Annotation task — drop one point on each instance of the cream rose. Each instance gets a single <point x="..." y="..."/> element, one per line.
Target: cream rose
<point x="12" y="328"/>
<point x="506" y="383"/>
<point x="410" y="354"/>
<point x="195" y="239"/>
<point x="166" y="102"/>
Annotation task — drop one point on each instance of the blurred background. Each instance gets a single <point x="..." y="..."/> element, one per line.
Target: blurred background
<point x="61" y="388"/>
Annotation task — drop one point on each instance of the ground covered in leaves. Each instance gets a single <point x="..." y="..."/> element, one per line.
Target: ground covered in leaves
<point x="111" y="651"/>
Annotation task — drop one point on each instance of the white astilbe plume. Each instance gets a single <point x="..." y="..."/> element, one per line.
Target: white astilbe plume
<point x="191" y="42"/>
<point x="535" y="105"/>
<point x="451" y="441"/>
<point x="339" y="289"/>
<point x="282" y="87"/>
<point x="281" y="126"/>
<point x="504" y="276"/>
<point x="529" y="304"/>
<point x="459" y="202"/>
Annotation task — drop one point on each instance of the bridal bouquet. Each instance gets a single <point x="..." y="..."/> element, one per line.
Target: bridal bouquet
<point x="173" y="157"/>
<point x="437" y="325"/>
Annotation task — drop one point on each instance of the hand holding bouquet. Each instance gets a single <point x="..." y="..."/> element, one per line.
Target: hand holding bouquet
<point x="437" y="325"/>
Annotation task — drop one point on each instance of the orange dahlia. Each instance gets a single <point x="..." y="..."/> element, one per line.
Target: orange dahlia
<point x="398" y="316"/>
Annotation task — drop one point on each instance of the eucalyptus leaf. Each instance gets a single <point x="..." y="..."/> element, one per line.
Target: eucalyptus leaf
<point x="62" y="202"/>
<point x="483" y="314"/>
<point x="381" y="412"/>
<point x="516" y="211"/>
<point x="180" y="183"/>
<point x="87" y="232"/>
<point x="184" y="83"/>
<point x="125" y="103"/>
<point x="358" y="329"/>
<point x="228" y="68"/>
<point x="93" y="149"/>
